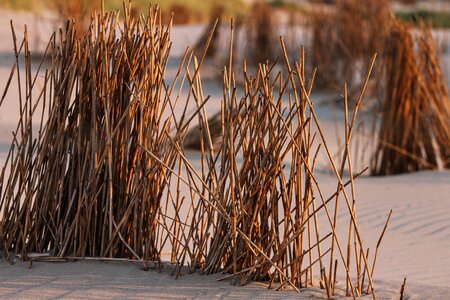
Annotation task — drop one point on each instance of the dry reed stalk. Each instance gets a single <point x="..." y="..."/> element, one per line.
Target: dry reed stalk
<point x="402" y="289"/>
<point x="256" y="38"/>
<point x="438" y="94"/>
<point x="416" y="110"/>
<point x="346" y="159"/>
<point x="214" y="21"/>
<point x="263" y="230"/>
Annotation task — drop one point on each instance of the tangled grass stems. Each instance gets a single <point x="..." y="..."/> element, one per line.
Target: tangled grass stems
<point x="414" y="131"/>
<point x="107" y="174"/>
<point x="344" y="40"/>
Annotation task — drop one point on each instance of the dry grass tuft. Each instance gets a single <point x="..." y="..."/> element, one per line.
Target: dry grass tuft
<point x="79" y="10"/>
<point x="106" y="174"/>
<point x="256" y="35"/>
<point x="414" y="132"/>
<point x="88" y="179"/>
<point x="261" y="38"/>
<point x="214" y="46"/>
<point x="345" y="38"/>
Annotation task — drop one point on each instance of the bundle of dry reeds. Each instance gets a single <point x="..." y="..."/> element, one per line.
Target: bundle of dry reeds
<point x="265" y="195"/>
<point x="261" y="37"/>
<point x="431" y="69"/>
<point x="323" y="56"/>
<point x="214" y="45"/>
<point x="257" y="30"/>
<point x="78" y="10"/>
<point x="345" y="38"/>
<point x="83" y="185"/>
<point x="105" y="173"/>
<point x="414" y="131"/>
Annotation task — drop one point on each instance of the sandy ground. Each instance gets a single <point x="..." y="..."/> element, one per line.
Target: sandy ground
<point x="416" y="246"/>
<point x="118" y="280"/>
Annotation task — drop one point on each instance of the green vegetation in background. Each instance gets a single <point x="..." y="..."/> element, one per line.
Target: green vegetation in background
<point x="439" y="19"/>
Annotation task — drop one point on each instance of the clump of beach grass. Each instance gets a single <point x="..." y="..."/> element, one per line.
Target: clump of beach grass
<point x="345" y="38"/>
<point x="91" y="189"/>
<point x="414" y="130"/>
<point x="78" y="10"/>
<point x="105" y="173"/>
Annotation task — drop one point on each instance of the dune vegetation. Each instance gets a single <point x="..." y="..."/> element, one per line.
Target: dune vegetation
<point x="105" y="172"/>
<point x="99" y="163"/>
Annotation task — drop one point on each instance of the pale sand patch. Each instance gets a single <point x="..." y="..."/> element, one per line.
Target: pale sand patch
<point x="107" y="280"/>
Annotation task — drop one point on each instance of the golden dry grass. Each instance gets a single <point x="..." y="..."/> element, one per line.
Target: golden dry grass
<point x="414" y="131"/>
<point x="345" y="38"/>
<point x="104" y="176"/>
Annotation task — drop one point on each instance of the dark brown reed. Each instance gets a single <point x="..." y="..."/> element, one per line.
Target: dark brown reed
<point x="414" y="128"/>
<point x="106" y="174"/>
<point x="402" y="289"/>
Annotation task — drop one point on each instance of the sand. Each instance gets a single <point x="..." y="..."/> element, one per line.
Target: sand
<point x="107" y="280"/>
<point x="416" y="246"/>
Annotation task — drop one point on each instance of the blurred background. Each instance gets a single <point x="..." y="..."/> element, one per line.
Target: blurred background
<point x="200" y="11"/>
